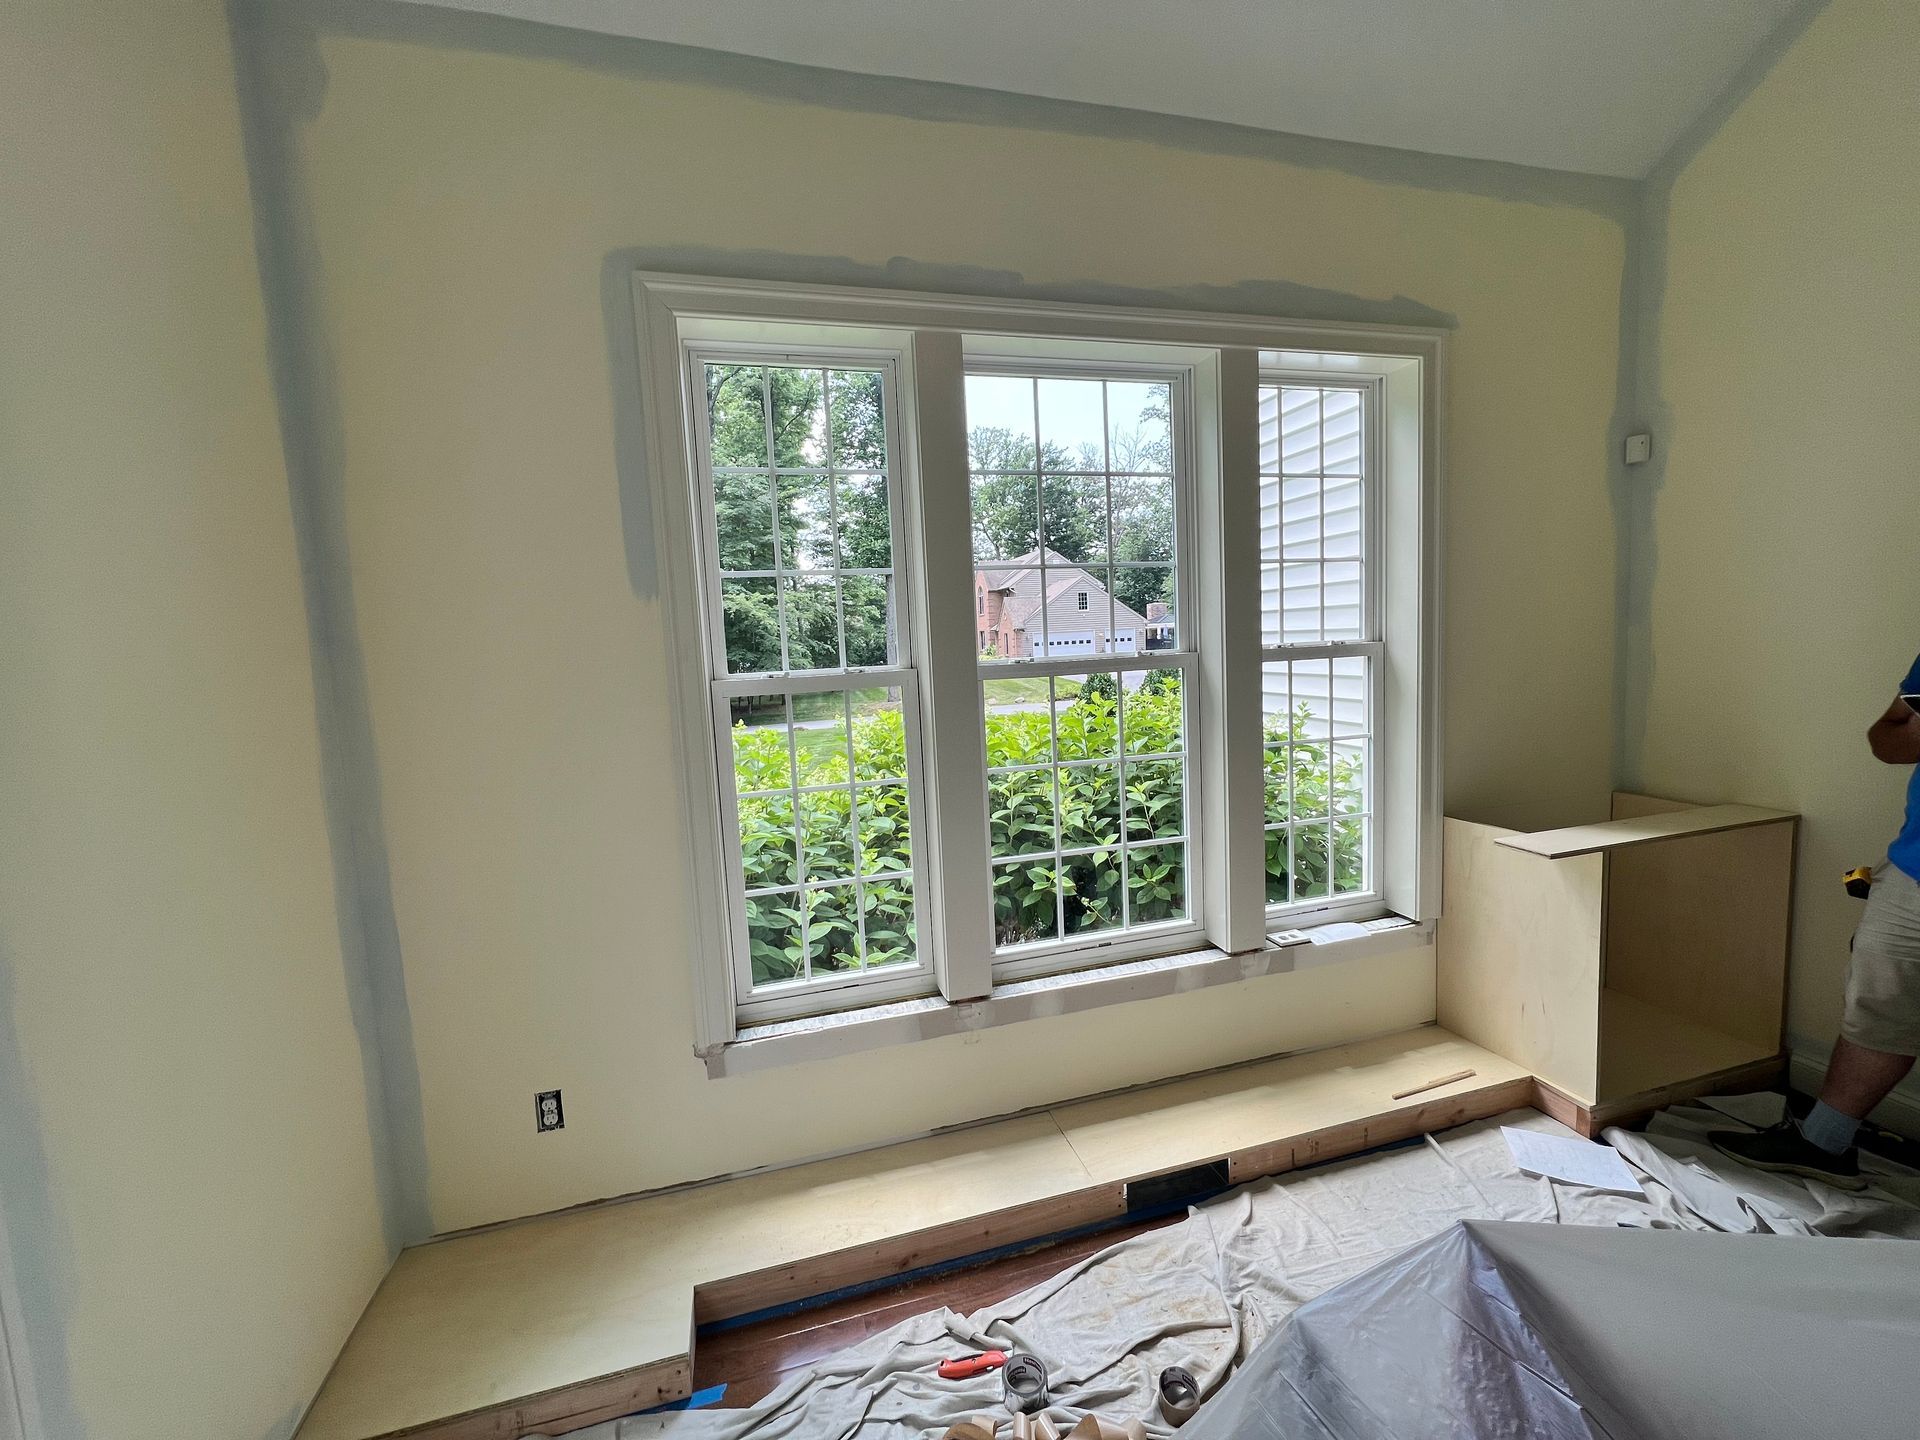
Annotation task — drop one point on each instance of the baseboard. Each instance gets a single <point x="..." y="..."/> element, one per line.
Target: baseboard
<point x="1899" y="1112"/>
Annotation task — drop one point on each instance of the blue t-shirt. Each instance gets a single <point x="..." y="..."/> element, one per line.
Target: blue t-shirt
<point x="1905" y="852"/>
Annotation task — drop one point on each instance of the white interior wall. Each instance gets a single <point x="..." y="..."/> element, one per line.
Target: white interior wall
<point x="186" y="1176"/>
<point x="1785" y="526"/>
<point x="465" y="201"/>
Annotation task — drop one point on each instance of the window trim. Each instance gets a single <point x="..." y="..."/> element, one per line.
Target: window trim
<point x="932" y="335"/>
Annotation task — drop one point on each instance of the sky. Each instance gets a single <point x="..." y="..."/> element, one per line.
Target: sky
<point x="1069" y="410"/>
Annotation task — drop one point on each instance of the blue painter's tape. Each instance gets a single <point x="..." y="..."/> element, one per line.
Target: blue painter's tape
<point x="699" y="1400"/>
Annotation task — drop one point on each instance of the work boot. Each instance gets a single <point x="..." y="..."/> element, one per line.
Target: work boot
<point x="1783" y="1149"/>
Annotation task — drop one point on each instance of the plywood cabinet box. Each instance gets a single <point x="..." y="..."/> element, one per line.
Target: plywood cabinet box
<point x="1628" y="963"/>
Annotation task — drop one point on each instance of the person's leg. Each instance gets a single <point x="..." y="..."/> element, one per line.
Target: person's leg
<point x="1880" y="1029"/>
<point x="1859" y="1079"/>
<point x="1879" y="1034"/>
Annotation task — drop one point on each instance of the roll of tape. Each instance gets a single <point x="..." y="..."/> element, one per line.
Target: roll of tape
<point x="1179" y="1394"/>
<point x="1025" y="1381"/>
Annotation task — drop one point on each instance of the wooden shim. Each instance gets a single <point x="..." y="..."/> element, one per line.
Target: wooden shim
<point x="1435" y="1083"/>
<point x="1641" y="830"/>
<point x="1518" y="967"/>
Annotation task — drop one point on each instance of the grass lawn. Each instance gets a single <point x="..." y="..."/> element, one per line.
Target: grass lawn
<point x="819" y="744"/>
<point x="1026" y="691"/>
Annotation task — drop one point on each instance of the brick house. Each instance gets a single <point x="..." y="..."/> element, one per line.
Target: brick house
<point x="1081" y="618"/>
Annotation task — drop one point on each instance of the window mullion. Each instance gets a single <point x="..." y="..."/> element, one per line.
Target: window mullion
<point x="961" y="908"/>
<point x="1227" y="549"/>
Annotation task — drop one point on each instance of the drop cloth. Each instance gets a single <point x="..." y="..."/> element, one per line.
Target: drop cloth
<point x="1204" y="1293"/>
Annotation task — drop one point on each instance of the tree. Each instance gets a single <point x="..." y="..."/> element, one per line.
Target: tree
<point x="1075" y="502"/>
<point x="1007" y="496"/>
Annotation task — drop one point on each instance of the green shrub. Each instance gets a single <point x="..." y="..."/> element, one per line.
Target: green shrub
<point x="1031" y="897"/>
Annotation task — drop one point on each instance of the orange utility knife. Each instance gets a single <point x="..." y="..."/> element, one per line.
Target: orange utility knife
<point x="968" y="1366"/>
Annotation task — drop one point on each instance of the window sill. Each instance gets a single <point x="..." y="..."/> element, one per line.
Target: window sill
<point x="820" y="1037"/>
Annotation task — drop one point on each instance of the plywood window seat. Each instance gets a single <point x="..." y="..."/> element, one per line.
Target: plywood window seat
<point x="561" y="1320"/>
<point x="1596" y="973"/>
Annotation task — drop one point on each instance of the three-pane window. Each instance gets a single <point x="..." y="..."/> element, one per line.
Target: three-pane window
<point x="904" y="794"/>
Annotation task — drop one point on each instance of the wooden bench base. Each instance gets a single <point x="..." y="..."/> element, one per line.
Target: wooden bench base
<point x="566" y="1319"/>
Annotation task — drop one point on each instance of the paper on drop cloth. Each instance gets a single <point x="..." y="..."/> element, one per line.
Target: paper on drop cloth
<point x="1577" y="1161"/>
<point x="1204" y="1293"/>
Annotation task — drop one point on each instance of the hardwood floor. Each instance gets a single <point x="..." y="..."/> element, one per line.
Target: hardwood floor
<point x="751" y="1360"/>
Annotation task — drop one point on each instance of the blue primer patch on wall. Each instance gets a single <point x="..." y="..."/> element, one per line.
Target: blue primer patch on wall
<point x="279" y="82"/>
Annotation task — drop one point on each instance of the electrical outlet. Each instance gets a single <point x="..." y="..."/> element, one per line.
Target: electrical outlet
<point x="546" y="1112"/>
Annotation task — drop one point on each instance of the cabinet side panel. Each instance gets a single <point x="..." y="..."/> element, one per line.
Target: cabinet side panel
<point x="1519" y="955"/>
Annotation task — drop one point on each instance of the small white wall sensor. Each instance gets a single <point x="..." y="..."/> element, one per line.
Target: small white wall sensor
<point x="1639" y="449"/>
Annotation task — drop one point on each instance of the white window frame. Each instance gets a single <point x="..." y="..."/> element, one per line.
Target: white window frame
<point x="933" y="339"/>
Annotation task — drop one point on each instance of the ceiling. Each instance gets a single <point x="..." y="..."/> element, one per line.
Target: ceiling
<point x="1603" y="86"/>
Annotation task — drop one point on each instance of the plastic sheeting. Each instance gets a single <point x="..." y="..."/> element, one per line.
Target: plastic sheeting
<point x="1431" y="1344"/>
<point x="1493" y="1330"/>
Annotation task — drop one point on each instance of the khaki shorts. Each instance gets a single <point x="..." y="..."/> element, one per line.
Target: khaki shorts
<point x="1883" y="980"/>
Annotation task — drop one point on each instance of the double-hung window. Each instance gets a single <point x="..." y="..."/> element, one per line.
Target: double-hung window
<point x="1013" y="640"/>
<point x="1076" y="479"/>
<point x="813" y="692"/>
<point x="1319" y="631"/>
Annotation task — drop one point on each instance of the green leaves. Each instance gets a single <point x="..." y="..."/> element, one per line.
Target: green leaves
<point x="772" y="431"/>
<point x="1324" y="774"/>
<point x="863" y="828"/>
<point x="1020" y="812"/>
<point x="1310" y="780"/>
<point x="1050" y="895"/>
